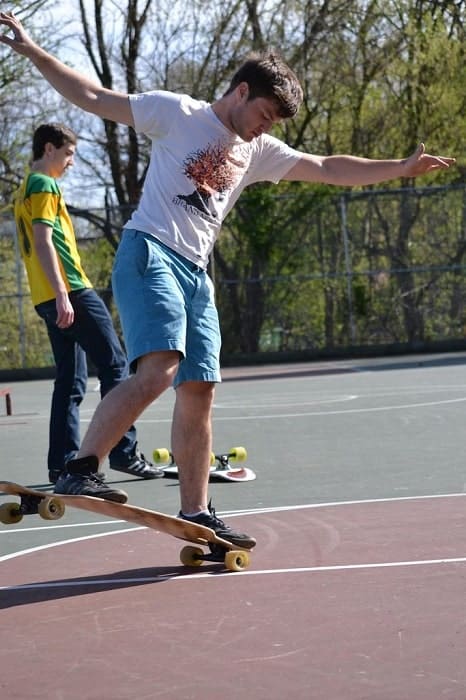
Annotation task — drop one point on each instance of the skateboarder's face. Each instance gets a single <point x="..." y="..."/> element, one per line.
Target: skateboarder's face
<point x="251" y="118"/>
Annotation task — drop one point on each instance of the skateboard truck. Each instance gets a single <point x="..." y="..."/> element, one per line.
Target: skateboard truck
<point x="223" y="461"/>
<point x="48" y="507"/>
<point x="234" y="560"/>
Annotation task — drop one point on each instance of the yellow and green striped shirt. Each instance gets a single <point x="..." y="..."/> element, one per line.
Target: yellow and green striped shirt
<point x="40" y="200"/>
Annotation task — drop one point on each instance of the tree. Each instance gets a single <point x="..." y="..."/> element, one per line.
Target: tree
<point x="361" y="64"/>
<point x="21" y="107"/>
<point x="424" y="83"/>
<point x="378" y="77"/>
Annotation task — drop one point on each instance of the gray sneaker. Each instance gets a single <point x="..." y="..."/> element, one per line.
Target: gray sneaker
<point x="82" y="479"/>
<point x="210" y="519"/>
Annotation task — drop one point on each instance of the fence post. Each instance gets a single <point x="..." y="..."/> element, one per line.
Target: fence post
<point x="348" y="268"/>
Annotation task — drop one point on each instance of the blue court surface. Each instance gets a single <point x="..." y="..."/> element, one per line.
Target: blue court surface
<point x="356" y="587"/>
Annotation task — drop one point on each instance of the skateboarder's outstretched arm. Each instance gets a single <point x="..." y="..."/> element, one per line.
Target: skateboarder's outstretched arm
<point x="72" y="85"/>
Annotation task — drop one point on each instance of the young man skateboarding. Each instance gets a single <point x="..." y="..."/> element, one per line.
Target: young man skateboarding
<point x="203" y="156"/>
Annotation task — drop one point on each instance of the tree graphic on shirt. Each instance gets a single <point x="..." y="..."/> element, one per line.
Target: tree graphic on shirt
<point x="213" y="170"/>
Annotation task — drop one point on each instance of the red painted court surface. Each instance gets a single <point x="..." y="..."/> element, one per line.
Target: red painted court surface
<point x="349" y="601"/>
<point x="359" y="594"/>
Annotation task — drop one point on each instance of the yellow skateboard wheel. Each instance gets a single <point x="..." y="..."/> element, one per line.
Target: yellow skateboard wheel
<point x="191" y="556"/>
<point x="161" y="456"/>
<point x="51" y="508"/>
<point x="238" y="454"/>
<point x="237" y="560"/>
<point x="10" y="513"/>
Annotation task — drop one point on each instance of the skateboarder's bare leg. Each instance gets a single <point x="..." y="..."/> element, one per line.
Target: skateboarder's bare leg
<point x="121" y="407"/>
<point x="192" y="442"/>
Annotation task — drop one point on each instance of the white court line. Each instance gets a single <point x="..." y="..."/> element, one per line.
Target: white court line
<point x="326" y="504"/>
<point x="223" y="404"/>
<point x="50" y="545"/>
<point x="293" y="399"/>
<point x="274" y="416"/>
<point x="59" y="527"/>
<point x="284" y="402"/>
<point x="230" y="514"/>
<point x="214" y="574"/>
<point x="183" y="577"/>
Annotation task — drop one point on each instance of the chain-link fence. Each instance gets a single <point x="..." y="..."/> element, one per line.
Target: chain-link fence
<point x="334" y="273"/>
<point x="373" y="268"/>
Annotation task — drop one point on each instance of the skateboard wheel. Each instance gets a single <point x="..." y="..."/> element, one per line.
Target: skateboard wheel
<point x="161" y="456"/>
<point x="10" y="513"/>
<point x="191" y="556"/>
<point x="238" y="454"/>
<point x="237" y="560"/>
<point x="51" y="508"/>
<point x="212" y="459"/>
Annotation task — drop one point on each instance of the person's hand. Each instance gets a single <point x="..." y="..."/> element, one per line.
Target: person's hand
<point x="65" y="311"/>
<point x="421" y="162"/>
<point x="21" y="41"/>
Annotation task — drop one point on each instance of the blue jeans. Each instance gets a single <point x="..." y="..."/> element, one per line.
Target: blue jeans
<point x="93" y="333"/>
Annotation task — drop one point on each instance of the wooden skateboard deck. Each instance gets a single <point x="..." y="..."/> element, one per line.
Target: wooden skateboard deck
<point x="52" y="506"/>
<point x="223" y="466"/>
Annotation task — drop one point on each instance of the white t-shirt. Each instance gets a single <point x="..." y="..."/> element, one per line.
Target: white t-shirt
<point x="198" y="169"/>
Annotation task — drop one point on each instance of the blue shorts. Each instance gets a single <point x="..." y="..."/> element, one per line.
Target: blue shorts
<point x="166" y="302"/>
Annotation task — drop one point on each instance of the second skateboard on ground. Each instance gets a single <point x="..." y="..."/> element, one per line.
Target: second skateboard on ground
<point x="222" y="465"/>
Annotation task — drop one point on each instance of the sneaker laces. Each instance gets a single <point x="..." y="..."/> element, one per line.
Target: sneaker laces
<point x="218" y="521"/>
<point x="141" y="457"/>
<point x="93" y="478"/>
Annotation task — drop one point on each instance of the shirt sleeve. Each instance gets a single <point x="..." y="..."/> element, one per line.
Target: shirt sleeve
<point x="154" y="112"/>
<point x="44" y="198"/>
<point x="272" y="161"/>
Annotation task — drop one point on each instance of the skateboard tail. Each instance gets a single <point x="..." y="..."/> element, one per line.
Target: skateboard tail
<point x="216" y="474"/>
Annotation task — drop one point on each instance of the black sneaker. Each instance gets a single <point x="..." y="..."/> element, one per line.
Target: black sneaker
<point x="139" y="466"/>
<point x="82" y="479"/>
<point x="220" y="528"/>
<point x="54" y="475"/>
